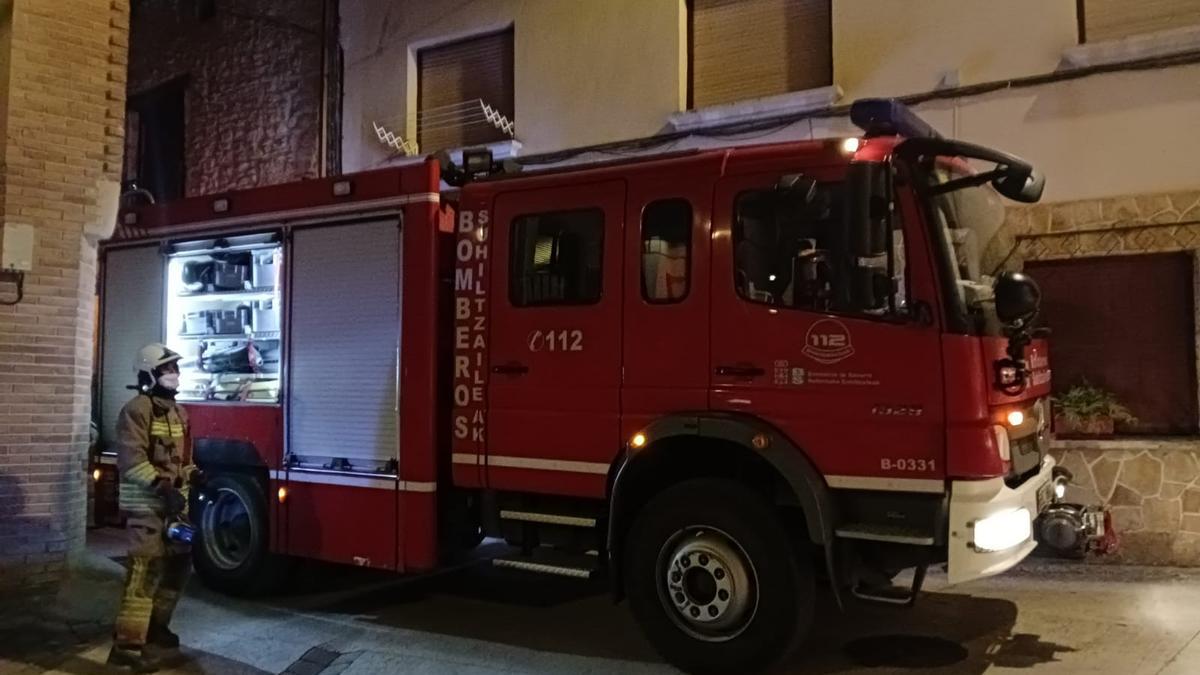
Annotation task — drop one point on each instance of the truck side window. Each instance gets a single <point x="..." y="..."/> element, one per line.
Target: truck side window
<point x="785" y="245"/>
<point x="666" y="250"/>
<point x="556" y="258"/>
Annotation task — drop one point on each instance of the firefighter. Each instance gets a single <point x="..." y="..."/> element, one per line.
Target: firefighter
<point x="154" y="460"/>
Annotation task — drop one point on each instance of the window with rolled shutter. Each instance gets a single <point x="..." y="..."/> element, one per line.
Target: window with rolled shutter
<point x="1115" y="19"/>
<point x="462" y="87"/>
<point x="746" y="49"/>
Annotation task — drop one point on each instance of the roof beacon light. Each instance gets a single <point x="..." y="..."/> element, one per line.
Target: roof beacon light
<point x="889" y="117"/>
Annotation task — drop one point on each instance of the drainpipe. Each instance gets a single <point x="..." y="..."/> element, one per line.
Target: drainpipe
<point x="329" y="42"/>
<point x="323" y="123"/>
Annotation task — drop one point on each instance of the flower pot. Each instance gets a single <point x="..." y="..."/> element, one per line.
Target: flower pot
<point x="1090" y="427"/>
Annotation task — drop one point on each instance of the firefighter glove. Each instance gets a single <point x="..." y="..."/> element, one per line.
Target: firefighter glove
<point x="197" y="478"/>
<point x="174" y="503"/>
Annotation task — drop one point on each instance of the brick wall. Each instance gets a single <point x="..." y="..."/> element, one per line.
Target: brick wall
<point x="253" y="97"/>
<point x="64" y="63"/>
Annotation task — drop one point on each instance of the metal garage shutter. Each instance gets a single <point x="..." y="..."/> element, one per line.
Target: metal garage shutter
<point x="1115" y="19"/>
<point x="1126" y="323"/>
<point x="452" y="80"/>
<point x="345" y="336"/>
<point x="745" y="49"/>
<point x="133" y="317"/>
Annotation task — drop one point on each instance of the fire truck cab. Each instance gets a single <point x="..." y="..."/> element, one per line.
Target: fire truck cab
<point x="714" y="376"/>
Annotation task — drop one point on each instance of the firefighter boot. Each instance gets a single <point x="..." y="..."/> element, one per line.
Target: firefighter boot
<point x="161" y="636"/>
<point x="133" y="658"/>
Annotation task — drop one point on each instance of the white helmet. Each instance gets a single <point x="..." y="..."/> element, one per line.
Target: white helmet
<point x="150" y="358"/>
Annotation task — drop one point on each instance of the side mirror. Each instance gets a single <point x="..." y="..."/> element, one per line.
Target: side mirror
<point x="1018" y="299"/>
<point x="1021" y="186"/>
<point x="868" y="208"/>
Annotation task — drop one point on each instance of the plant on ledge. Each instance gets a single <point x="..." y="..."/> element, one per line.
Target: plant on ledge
<point x="1088" y="411"/>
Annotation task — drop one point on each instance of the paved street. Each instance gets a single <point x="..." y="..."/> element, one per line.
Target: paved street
<point x="1046" y="617"/>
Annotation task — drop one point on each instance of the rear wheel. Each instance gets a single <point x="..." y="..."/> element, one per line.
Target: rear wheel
<point x="714" y="580"/>
<point x="231" y="552"/>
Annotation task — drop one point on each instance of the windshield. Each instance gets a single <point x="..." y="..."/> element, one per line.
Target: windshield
<point x="968" y="219"/>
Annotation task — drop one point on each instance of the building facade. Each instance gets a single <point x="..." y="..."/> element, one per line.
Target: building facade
<point x="229" y="94"/>
<point x="62" y="106"/>
<point x="1103" y="96"/>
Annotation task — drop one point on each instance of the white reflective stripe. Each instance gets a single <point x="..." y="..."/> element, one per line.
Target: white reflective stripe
<point x="380" y="483"/>
<point x="417" y="486"/>
<point x="564" y="465"/>
<point x="886" y="484"/>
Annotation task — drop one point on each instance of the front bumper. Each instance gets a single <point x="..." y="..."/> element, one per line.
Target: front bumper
<point x="974" y="501"/>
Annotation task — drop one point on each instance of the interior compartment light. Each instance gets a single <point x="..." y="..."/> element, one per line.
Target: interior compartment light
<point x="1003" y="530"/>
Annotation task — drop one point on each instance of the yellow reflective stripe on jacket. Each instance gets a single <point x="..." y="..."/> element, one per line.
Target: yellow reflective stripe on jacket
<point x="137" y="498"/>
<point x="142" y="473"/>
<point x="166" y="429"/>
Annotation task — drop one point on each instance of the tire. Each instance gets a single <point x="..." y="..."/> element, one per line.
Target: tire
<point x="231" y="551"/>
<point x="703" y="537"/>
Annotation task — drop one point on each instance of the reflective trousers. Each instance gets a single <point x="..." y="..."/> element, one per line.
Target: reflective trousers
<point x="157" y="572"/>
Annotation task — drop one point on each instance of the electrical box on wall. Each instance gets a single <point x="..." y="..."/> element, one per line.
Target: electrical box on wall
<point x="16" y="247"/>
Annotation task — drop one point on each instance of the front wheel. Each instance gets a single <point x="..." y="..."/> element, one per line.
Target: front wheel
<point x="714" y="580"/>
<point x="231" y="552"/>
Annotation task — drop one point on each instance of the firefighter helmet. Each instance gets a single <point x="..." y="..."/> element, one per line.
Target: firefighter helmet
<point x="148" y="361"/>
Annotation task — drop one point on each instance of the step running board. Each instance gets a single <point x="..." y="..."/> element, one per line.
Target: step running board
<point x="883" y="533"/>
<point x="893" y="595"/>
<point x="547" y="518"/>
<point x="543" y="568"/>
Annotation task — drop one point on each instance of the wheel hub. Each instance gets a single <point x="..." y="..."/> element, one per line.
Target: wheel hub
<point x="709" y="584"/>
<point x="228" y="529"/>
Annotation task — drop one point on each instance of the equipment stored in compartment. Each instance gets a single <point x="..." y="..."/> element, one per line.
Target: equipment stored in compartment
<point x="265" y="270"/>
<point x="240" y="358"/>
<point x="229" y="276"/>
<point x="196" y="323"/>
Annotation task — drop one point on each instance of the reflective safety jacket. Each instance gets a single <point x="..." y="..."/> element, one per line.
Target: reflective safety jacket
<point x="153" y="444"/>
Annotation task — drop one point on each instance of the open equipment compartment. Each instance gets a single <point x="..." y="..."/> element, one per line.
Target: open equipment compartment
<point x="223" y="314"/>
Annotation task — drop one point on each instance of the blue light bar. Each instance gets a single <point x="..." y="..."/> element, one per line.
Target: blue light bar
<point x="889" y="117"/>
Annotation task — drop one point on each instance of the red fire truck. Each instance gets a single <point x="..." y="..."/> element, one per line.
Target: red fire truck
<point x="714" y="376"/>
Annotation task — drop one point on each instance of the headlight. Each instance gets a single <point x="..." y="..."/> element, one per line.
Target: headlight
<point x="1003" y="530"/>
